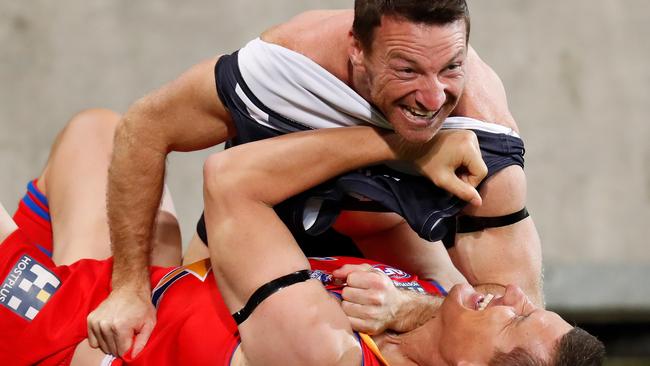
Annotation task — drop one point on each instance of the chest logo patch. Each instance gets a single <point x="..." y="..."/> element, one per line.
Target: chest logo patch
<point x="27" y="288"/>
<point x="392" y="272"/>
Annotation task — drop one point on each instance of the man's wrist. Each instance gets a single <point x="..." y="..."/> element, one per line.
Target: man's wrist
<point x="132" y="288"/>
<point x="135" y="280"/>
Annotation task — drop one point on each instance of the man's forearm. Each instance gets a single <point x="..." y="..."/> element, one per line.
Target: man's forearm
<point x="135" y="186"/>
<point x="295" y="162"/>
<point x="505" y="255"/>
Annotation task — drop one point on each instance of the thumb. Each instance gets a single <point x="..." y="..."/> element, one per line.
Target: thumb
<point x="461" y="189"/>
<point x="141" y="339"/>
<point x="476" y="170"/>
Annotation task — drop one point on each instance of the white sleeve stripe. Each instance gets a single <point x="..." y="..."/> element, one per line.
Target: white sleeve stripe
<point x="254" y="111"/>
<point x="467" y="123"/>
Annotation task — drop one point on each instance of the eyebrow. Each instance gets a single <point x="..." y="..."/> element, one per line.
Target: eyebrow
<point x="518" y="320"/>
<point x="522" y="318"/>
<point x="404" y="57"/>
<point x="456" y="56"/>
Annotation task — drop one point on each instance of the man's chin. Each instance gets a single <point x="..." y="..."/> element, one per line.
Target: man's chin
<point x="418" y="136"/>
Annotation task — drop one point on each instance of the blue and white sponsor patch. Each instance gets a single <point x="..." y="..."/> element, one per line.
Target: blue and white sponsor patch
<point x="391" y="272"/>
<point x="28" y="287"/>
<point x="323" y="277"/>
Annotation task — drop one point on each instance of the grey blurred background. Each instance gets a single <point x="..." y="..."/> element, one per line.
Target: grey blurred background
<point x="575" y="71"/>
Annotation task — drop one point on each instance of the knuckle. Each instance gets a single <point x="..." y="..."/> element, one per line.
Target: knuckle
<point x="468" y="136"/>
<point x="105" y="325"/>
<point x="353" y="276"/>
<point x="118" y="326"/>
<point x="441" y="180"/>
<point x="375" y="299"/>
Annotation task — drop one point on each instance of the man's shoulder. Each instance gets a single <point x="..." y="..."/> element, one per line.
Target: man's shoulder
<point x="303" y="26"/>
<point x="317" y="34"/>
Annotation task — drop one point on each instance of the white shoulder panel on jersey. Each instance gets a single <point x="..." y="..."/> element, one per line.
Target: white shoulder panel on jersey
<point x="299" y="89"/>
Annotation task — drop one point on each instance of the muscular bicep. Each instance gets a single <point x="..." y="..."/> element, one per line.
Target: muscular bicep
<point x="251" y="248"/>
<point x="504" y="255"/>
<point x="184" y="115"/>
<point x="300" y="325"/>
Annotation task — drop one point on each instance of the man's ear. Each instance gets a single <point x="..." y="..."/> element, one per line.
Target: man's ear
<point x="355" y="51"/>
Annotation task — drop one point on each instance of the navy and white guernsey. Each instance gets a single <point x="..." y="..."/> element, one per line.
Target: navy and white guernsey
<point x="271" y="90"/>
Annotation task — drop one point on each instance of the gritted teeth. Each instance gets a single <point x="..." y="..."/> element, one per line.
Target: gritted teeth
<point x="484" y="302"/>
<point x="420" y="113"/>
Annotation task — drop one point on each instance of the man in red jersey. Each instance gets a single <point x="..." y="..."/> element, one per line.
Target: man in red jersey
<point x="43" y="305"/>
<point x="43" y="321"/>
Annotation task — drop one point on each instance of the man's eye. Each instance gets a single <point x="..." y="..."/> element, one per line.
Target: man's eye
<point x="453" y="67"/>
<point x="406" y="70"/>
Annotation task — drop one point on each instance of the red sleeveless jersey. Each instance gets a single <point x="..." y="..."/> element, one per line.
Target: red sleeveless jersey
<point x="43" y="307"/>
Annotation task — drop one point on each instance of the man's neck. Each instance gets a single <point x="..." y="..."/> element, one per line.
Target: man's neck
<point x="412" y="348"/>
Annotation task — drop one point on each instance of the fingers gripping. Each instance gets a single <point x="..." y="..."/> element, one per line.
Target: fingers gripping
<point x="458" y="166"/>
<point x="370" y="300"/>
<point x="141" y="339"/>
<point x="114" y="324"/>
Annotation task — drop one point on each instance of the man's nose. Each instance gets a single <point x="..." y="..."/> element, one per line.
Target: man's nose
<point x="431" y="95"/>
<point x="513" y="295"/>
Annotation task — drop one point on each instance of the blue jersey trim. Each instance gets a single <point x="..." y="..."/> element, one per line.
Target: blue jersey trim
<point x="336" y="294"/>
<point x="42" y="249"/>
<point x="439" y="287"/>
<point x="233" y="352"/>
<point x="36" y="208"/>
<point x="33" y="190"/>
<point x="158" y="292"/>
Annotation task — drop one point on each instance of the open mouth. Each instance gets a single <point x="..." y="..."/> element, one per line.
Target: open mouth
<point x="484" y="302"/>
<point x="419" y="116"/>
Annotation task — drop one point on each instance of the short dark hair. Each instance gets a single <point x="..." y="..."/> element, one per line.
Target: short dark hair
<point x="579" y="348"/>
<point x="368" y="13"/>
<point x="576" y="348"/>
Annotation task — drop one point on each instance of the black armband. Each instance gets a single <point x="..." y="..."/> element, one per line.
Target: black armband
<point x="468" y="224"/>
<point x="267" y="290"/>
<point x="201" y="230"/>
